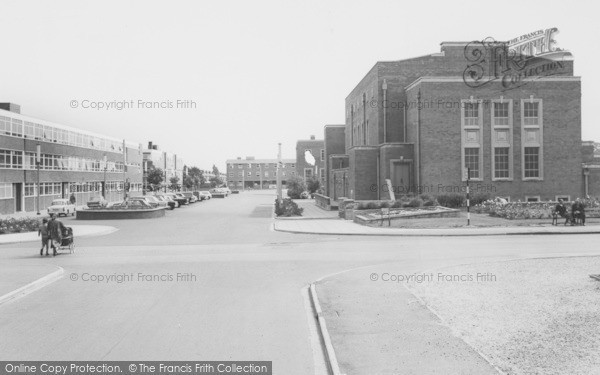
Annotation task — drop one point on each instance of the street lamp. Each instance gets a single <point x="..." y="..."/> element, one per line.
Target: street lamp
<point x="38" y="160"/>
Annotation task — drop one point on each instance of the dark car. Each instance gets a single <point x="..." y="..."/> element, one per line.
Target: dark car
<point x="178" y="198"/>
<point x="190" y="196"/>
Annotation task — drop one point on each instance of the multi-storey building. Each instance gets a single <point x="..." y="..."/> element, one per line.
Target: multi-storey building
<point x="421" y="123"/>
<point x="310" y="158"/>
<point x="251" y="173"/>
<point x="71" y="162"/>
<point x="171" y="164"/>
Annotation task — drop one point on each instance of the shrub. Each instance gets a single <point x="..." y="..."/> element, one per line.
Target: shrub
<point x="396" y="204"/>
<point x="451" y="200"/>
<point x="479" y="198"/>
<point x="295" y="187"/>
<point x="415" y="203"/>
<point x="287" y="208"/>
<point x="12" y="225"/>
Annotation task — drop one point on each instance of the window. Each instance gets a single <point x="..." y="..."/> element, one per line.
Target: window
<point x="5" y="125"/>
<point x="471" y="113"/>
<point x="532" y="138"/>
<point x="501" y="162"/>
<point x="230" y="174"/>
<point x="532" y="162"/>
<point x="308" y="173"/>
<point x="501" y="113"/>
<point x="322" y="174"/>
<point x="11" y="159"/>
<point x="266" y="173"/>
<point x="249" y="174"/>
<point x="240" y="166"/>
<point x="6" y="191"/>
<point x="532" y="199"/>
<point x="257" y="174"/>
<point x="530" y="113"/>
<point x="564" y="198"/>
<point x="472" y="161"/>
<point x="322" y="154"/>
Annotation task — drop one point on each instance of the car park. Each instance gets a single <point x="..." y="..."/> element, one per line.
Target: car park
<point x="61" y="207"/>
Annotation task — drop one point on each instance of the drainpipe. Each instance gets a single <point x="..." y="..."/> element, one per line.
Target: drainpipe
<point x="586" y="173"/>
<point x="384" y="88"/>
<point x="378" y="189"/>
<point x="418" y="139"/>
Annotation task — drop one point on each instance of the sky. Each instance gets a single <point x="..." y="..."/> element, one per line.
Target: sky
<point x="259" y="72"/>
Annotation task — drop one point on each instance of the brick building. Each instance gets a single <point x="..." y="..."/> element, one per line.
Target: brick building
<point x="251" y="173"/>
<point x="73" y="161"/>
<point x="310" y="158"/>
<point x="422" y="122"/>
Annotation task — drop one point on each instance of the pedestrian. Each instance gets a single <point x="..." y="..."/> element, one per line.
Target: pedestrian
<point x="561" y="210"/>
<point x="43" y="231"/>
<point x="72" y="199"/>
<point x="55" y="229"/>
<point x="578" y="211"/>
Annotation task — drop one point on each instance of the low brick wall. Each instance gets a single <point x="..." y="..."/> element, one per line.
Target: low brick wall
<point x="322" y="201"/>
<point x="150" y="213"/>
<point x="361" y="217"/>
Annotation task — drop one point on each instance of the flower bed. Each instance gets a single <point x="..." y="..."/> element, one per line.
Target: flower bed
<point x="530" y="210"/>
<point x="12" y="225"/>
<point x="375" y="217"/>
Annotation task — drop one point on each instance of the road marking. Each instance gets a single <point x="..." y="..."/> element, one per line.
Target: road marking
<point x="316" y="342"/>
<point x="32" y="286"/>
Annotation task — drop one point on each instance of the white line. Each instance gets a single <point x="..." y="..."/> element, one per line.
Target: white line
<point x="33" y="286"/>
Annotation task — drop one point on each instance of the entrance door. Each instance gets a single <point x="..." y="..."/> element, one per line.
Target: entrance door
<point x="401" y="177"/>
<point x="18" y="191"/>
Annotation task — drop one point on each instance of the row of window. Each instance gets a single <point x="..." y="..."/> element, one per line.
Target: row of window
<point x="55" y="188"/>
<point x="47" y="133"/>
<point x="15" y="160"/>
<point x="265" y="174"/>
<point x="258" y="165"/>
<point x="502" y="139"/>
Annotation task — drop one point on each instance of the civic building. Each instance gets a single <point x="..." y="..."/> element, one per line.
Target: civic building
<point x="251" y="173"/>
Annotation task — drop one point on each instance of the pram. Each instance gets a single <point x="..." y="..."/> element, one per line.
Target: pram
<point x="67" y="242"/>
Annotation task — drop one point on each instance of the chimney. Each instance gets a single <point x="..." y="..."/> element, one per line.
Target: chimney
<point x="312" y="137"/>
<point x="150" y="146"/>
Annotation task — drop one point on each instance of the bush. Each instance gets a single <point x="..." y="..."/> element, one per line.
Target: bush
<point x="451" y="200"/>
<point x="415" y="203"/>
<point x="295" y="187"/>
<point x="287" y="208"/>
<point x="12" y="225"/>
<point x="479" y="198"/>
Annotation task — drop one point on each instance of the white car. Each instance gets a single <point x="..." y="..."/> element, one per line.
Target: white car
<point x="205" y="195"/>
<point x="61" y="207"/>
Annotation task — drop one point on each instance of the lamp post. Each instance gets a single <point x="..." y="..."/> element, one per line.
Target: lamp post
<point x="105" y="160"/>
<point x="468" y="200"/>
<point x="38" y="160"/>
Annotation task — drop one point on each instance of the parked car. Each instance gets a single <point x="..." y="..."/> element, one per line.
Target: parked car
<point x="133" y="204"/>
<point x="218" y="193"/>
<point x="61" y="207"/>
<point x="168" y="200"/>
<point x="226" y="190"/>
<point x="153" y="199"/>
<point x="205" y="195"/>
<point x="190" y="196"/>
<point x="146" y="199"/>
<point x="97" y="202"/>
<point x="235" y="192"/>
<point x="178" y="198"/>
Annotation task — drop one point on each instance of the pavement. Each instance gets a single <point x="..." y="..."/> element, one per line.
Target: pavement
<point x="78" y="231"/>
<point x="132" y="294"/>
<point x="348" y="227"/>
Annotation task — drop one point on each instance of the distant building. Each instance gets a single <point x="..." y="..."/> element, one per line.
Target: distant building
<point x="72" y="163"/>
<point x="171" y="164"/>
<point x="310" y="158"/>
<point x="251" y="173"/>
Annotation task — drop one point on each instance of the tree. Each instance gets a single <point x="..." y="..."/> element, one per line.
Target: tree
<point x="174" y="183"/>
<point x="216" y="180"/>
<point x="295" y="187"/>
<point x="196" y="177"/>
<point x="155" y="178"/>
<point x="312" y="185"/>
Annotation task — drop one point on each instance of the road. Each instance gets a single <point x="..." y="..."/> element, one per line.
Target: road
<point x="242" y="299"/>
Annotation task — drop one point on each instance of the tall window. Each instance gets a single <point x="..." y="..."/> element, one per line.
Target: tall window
<point x="502" y="139"/>
<point x="532" y="162"/>
<point x="322" y="154"/>
<point x="501" y="162"/>
<point x="532" y="136"/>
<point x="472" y="161"/>
<point x="471" y="140"/>
<point x="6" y="191"/>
